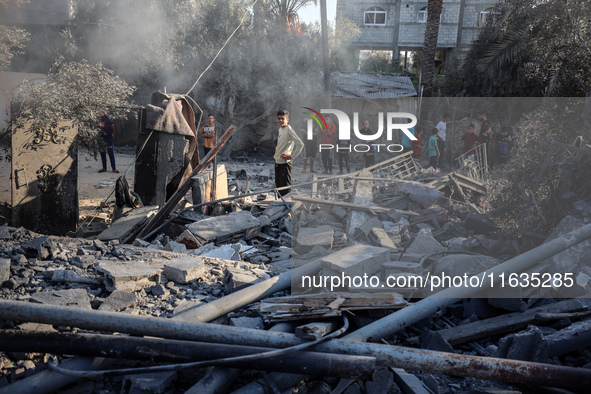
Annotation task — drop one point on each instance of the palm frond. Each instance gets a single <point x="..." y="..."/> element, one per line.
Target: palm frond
<point x="504" y="50"/>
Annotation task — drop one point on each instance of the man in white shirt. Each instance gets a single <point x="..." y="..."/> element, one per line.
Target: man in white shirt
<point x="289" y="146"/>
<point x="441" y="134"/>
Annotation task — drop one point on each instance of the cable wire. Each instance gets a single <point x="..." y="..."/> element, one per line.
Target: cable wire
<point x="199" y="364"/>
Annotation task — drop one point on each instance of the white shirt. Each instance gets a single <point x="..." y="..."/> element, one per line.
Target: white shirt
<point x="442" y="130"/>
<point x="289" y="143"/>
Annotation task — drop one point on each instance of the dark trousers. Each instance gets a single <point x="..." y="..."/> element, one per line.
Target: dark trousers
<point x="370" y="160"/>
<point x="327" y="160"/>
<point x="283" y="177"/>
<point x="433" y="161"/>
<point x="344" y="157"/>
<point x="111" y="151"/>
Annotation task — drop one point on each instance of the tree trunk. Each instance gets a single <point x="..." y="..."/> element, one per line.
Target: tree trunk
<point x="430" y="46"/>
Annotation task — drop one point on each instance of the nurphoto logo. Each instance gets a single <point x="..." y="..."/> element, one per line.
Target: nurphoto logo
<point x="392" y="123"/>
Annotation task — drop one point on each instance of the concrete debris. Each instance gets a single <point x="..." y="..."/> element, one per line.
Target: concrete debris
<point x="392" y="221"/>
<point x="117" y="301"/>
<point x="77" y="298"/>
<point x="128" y="276"/>
<point x="185" y="269"/>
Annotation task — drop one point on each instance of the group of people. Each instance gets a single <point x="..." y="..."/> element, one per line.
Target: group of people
<point x="497" y="146"/>
<point x="343" y="148"/>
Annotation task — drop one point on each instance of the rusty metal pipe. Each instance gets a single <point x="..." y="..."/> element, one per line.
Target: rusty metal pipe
<point x="175" y="351"/>
<point x="395" y="356"/>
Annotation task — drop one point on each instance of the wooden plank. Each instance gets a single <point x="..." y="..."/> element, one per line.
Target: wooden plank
<point x="351" y="205"/>
<point x="509" y="322"/>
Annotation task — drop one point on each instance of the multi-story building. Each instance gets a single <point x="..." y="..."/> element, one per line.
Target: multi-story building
<point x="399" y="25"/>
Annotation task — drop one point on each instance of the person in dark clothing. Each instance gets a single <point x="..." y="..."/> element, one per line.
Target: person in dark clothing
<point x="327" y="138"/>
<point x="503" y="146"/>
<point x="471" y="140"/>
<point x="485" y="136"/>
<point x="417" y="146"/>
<point x="343" y="149"/>
<point x="107" y="128"/>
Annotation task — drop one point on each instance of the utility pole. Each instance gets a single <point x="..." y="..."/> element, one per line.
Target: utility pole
<point x="325" y="53"/>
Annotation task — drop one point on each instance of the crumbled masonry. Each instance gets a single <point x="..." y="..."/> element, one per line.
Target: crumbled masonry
<point x="256" y="274"/>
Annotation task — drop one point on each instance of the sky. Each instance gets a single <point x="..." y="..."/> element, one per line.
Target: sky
<point x="311" y="12"/>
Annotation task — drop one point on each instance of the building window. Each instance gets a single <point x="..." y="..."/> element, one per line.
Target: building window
<point x="374" y="16"/>
<point x="488" y="16"/>
<point x="422" y="15"/>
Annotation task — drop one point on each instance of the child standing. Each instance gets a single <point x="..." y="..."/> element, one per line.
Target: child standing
<point x="417" y="146"/>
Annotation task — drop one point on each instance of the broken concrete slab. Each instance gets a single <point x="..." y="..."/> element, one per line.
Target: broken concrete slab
<point x="188" y="239"/>
<point x="276" y="210"/>
<point x="433" y="340"/>
<point x="401" y="267"/>
<point x="226" y="252"/>
<point x="227" y="228"/>
<point x="118" y="301"/>
<point x="236" y="279"/>
<point x="308" y="237"/>
<point x="36" y="248"/>
<point x="460" y="264"/>
<point x="185" y="269"/>
<point x="380" y="238"/>
<point x="355" y="260"/>
<point x="425" y="244"/>
<point x="128" y="226"/>
<point x="574" y="337"/>
<point x="528" y="345"/>
<point x="77" y="298"/>
<point x="83" y="261"/>
<point x="128" y="276"/>
<point x="4" y="270"/>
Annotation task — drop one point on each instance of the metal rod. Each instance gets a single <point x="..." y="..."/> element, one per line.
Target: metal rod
<point x="175" y="351"/>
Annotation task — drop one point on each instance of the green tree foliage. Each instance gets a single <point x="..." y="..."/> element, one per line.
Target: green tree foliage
<point x="379" y="62"/>
<point x="74" y="91"/>
<point x="12" y="39"/>
<point x="537" y="48"/>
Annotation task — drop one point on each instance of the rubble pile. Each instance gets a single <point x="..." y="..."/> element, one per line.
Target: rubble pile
<point x="232" y="284"/>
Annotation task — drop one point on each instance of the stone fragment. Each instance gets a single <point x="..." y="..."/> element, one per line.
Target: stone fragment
<point x="36" y="327"/>
<point x="425" y="244"/>
<point x="433" y="340"/>
<point x="226" y="252"/>
<point x="236" y="279"/>
<point x="308" y="237"/>
<point x="4" y="270"/>
<point x="355" y="260"/>
<point x="158" y="290"/>
<point x="227" y="228"/>
<point x="128" y="276"/>
<point x="381" y="238"/>
<point x="188" y="239"/>
<point x="528" y="345"/>
<point x="36" y="248"/>
<point x="68" y="276"/>
<point x="77" y="298"/>
<point x="117" y="301"/>
<point x="83" y="261"/>
<point x="184" y="269"/>
<point x="574" y="337"/>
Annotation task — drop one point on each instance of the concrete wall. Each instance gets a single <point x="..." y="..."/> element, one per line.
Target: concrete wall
<point x="403" y="30"/>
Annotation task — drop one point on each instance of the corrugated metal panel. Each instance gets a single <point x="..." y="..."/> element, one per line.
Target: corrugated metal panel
<point x="371" y="86"/>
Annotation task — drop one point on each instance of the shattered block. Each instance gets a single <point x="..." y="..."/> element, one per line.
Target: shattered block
<point x="118" y="301"/>
<point x="184" y="269"/>
<point x="528" y="345"/>
<point x="425" y="244"/>
<point x="401" y="267"/>
<point x="381" y="238"/>
<point x="188" y="239"/>
<point x="355" y="260"/>
<point x="128" y="276"/>
<point x="227" y="228"/>
<point x="236" y="279"/>
<point x="4" y="270"/>
<point x="77" y="298"/>
<point x="307" y="238"/>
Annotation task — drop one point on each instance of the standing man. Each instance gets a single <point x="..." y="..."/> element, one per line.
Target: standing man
<point x="208" y="134"/>
<point x="311" y="147"/>
<point x="470" y="141"/>
<point x="441" y="134"/>
<point x="289" y="146"/>
<point x="327" y="139"/>
<point x="107" y="128"/>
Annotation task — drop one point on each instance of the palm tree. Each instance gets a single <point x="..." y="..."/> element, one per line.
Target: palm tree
<point x="284" y="8"/>
<point x="434" y="8"/>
